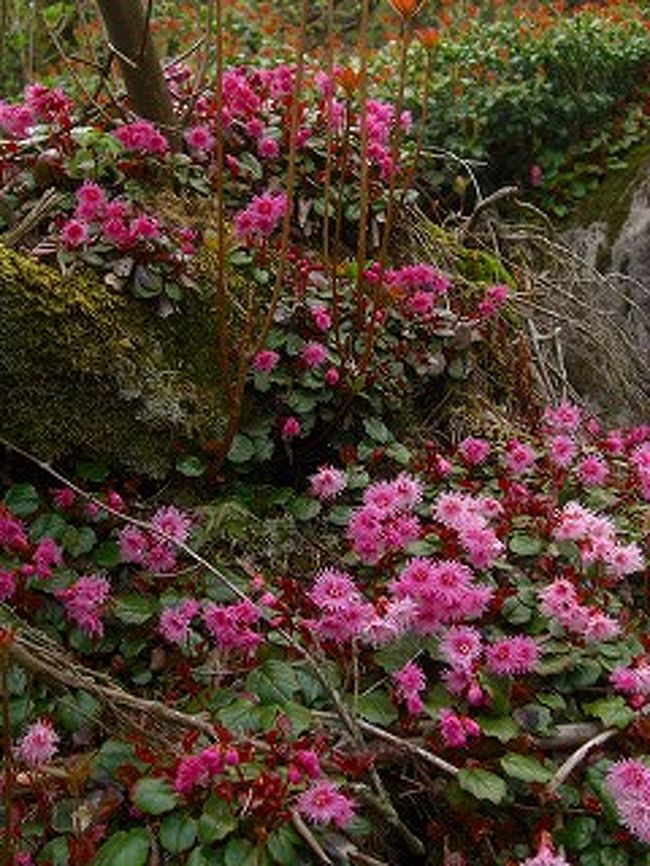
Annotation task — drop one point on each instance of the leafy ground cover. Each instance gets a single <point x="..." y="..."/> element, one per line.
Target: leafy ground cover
<point x="366" y="644"/>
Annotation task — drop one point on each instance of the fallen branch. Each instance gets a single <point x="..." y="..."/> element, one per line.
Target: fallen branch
<point x="576" y="758"/>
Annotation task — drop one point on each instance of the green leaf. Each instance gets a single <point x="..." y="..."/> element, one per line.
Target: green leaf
<point x="216" y="821"/>
<point x="394" y="655"/>
<point x="78" y="542"/>
<point x="305" y="508"/>
<point x="154" y="795"/>
<point x="300" y="717"/>
<point x="93" y="470"/>
<point x="242" y="449"/>
<point x="525" y="545"/>
<point x="55" y="853"/>
<point x="76" y="711"/>
<point x="376" y="707"/>
<point x="50" y="525"/>
<point x="124" y="849"/>
<point x="526" y="768"/>
<point x="177" y="833"/>
<point x="107" y="554"/>
<point x="190" y="466"/>
<point x="578" y="832"/>
<point x="504" y="728"/>
<point x="22" y="499"/>
<point x="377" y="430"/>
<point x="240" y="716"/>
<point x="114" y="754"/>
<point x="274" y="682"/>
<point x="280" y="845"/>
<point x="482" y="784"/>
<point x="612" y="712"/>
<point x="135" y="609"/>
<point x="240" y="852"/>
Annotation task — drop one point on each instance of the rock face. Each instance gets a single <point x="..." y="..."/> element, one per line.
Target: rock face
<point x="611" y="234"/>
<point x="87" y="372"/>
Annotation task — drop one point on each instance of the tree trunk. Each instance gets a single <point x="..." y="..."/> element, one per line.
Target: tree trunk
<point x="128" y="31"/>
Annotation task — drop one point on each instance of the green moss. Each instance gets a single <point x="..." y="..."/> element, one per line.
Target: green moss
<point x="84" y="370"/>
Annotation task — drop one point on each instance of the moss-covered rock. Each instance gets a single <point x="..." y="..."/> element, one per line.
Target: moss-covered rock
<point x="84" y="370"/>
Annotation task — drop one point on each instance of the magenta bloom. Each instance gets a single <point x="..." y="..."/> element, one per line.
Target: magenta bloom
<point x="39" y="745"/>
<point x="175" y="621"/>
<point x="323" y="803"/>
<point x="592" y="471"/>
<point x="461" y="646"/>
<point x="84" y="602"/>
<point x="74" y="233"/>
<point x="314" y="354"/>
<point x="200" y="138"/>
<point x="410" y="681"/>
<point x="91" y="200"/>
<point x="198" y="770"/>
<point x="268" y="148"/>
<point x="290" y="428"/>
<point x="512" y="655"/>
<point x="172" y="522"/>
<point x="473" y="451"/>
<point x="265" y="361"/>
<point x="328" y="482"/>
<point x="142" y="136"/>
<point x="333" y="590"/>
<point x="629" y="784"/>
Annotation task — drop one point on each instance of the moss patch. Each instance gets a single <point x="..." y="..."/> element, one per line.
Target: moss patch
<point x="84" y="370"/>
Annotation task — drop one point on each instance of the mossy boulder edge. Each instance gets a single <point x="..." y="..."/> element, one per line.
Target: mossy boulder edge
<point x="85" y="371"/>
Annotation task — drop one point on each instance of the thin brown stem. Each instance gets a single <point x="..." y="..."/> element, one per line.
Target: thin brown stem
<point x="364" y="181"/>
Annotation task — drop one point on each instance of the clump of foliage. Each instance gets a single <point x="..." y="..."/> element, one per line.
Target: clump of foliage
<point x="469" y="618"/>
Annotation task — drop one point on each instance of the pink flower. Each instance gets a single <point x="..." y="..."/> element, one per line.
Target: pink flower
<point x="565" y="418"/>
<point x="47" y="555"/>
<point x="307" y="761"/>
<point x="546" y="855"/>
<point x="231" y="626"/>
<point x="200" y="138"/>
<point x="84" y="602"/>
<point x="314" y="354"/>
<point x="175" y="621"/>
<point x="171" y="522"/>
<point x="409" y="682"/>
<point x="321" y="318"/>
<point x="64" y="497"/>
<point x="455" y="729"/>
<point x="324" y="804"/>
<point x="74" y="233"/>
<point x="535" y="175"/>
<point x="332" y="376"/>
<point x="268" y="148"/>
<point x="117" y="232"/>
<point x="519" y="457"/>
<point x="39" y="745"/>
<point x="592" y="471"/>
<point x="134" y="545"/>
<point x="142" y="136"/>
<point x="328" y="482"/>
<point x="198" y="770"/>
<point x="262" y="216"/>
<point x="265" y="361"/>
<point x="461" y="646"/>
<point x="512" y="655"/>
<point x="333" y="590"/>
<point x="290" y="428"/>
<point x="629" y="784"/>
<point x="473" y="451"/>
<point x="91" y="200"/>
<point x="8" y="584"/>
<point x="144" y="227"/>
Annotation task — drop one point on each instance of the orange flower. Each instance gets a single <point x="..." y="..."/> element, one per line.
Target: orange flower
<point x="407" y="8"/>
<point x="348" y="79"/>
<point x="428" y="36"/>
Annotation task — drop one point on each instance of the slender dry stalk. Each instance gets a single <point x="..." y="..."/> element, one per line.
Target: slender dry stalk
<point x="221" y="296"/>
<point x="7" y="747"/>
<point x="364" y="180"/>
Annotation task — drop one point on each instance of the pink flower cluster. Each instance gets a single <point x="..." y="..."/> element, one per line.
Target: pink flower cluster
<point x="231" y="626"/>
<point x="494" y="298"/>
<point x="344" y="613"/>
<point x="385" y="522"/>
<point x="156" y="550"/>
<point x="469" y="516"/>
<point x="456" y="730"/>
<point x="633" y="681"/>
<point x="197" y="771"/>
<point x="559" y="601"/>
<point x="44" y="104"/>
<point x="443" y="592"/>
<point x="143" y="137"/>
<point x="546" y="855"/>
<point x="596" y="536"/>
<point x="628" y="782"/>
<point x="421" y="285"/>
<point x="519" y="457"/>
<point x="84" y="602"/>
<point x="328" y="482"/>
<point x="175" y="621"/>
<point x="381" y="122"/>
<point x="640" y="458"/>
<point x="410" y="682"/>
<point x="512" y="655"/>
<point x="323" y="803"/>
<point x="261" y="217"/>
<point x="39" y="745"/>
<point x="12" y="532"/>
